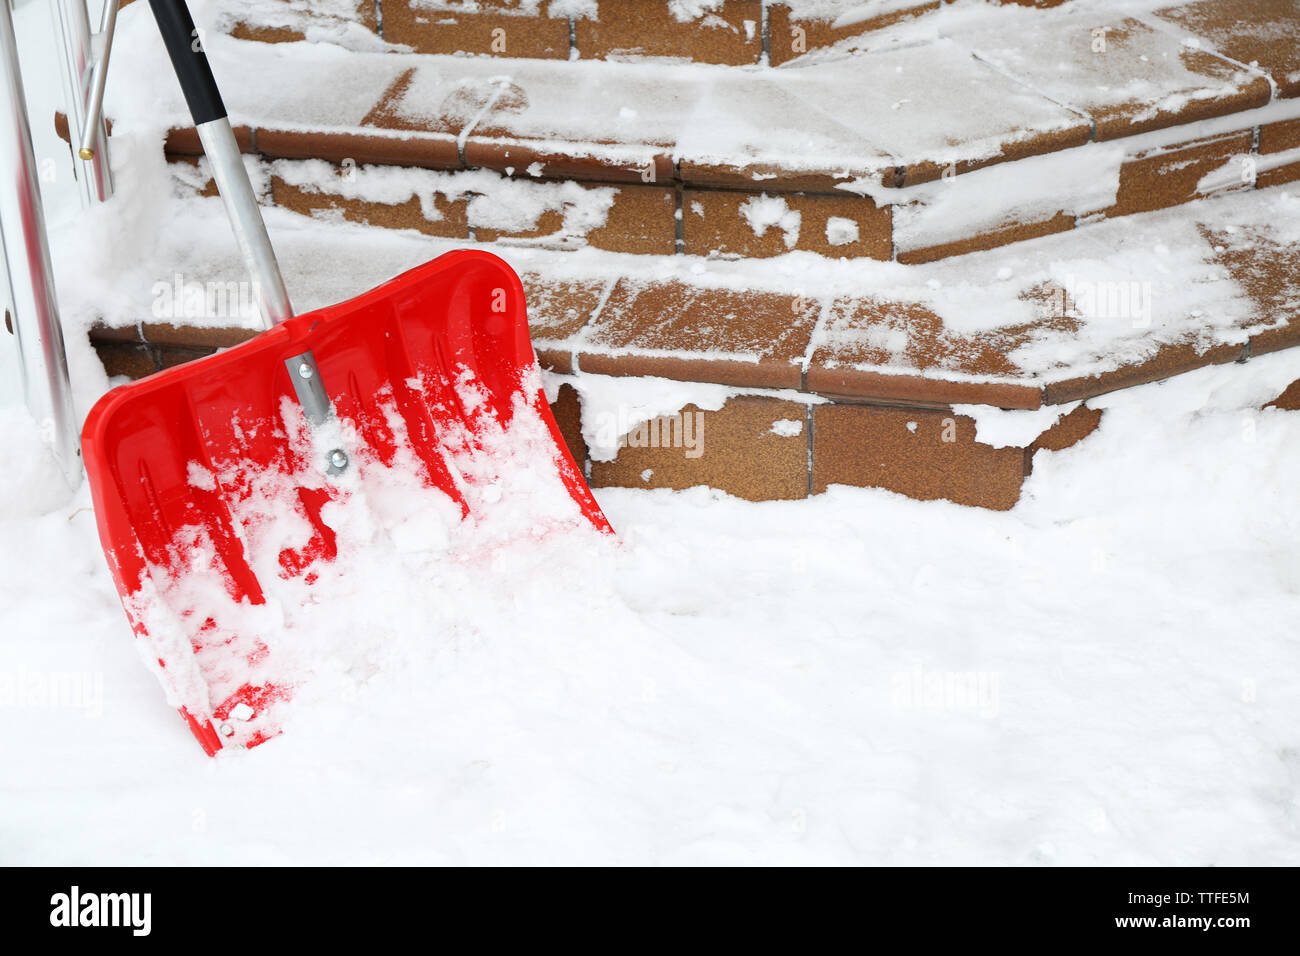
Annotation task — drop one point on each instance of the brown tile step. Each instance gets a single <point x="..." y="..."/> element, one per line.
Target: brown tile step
<point x="484" y="205"/>
<point x="1264" y="34"/>
<point x="859" y="388"/>
<point x="795" y="30"/>
<point x="748" y="32"/>
<point x="651" y="209"/>
<point x="766" y="447"/>
<point x="350" y="23"/>
<point x="755" y="446"/>
<point x="889" y="118"/>
<point x="1052" y="321"/>
<point x="731" y="33"/>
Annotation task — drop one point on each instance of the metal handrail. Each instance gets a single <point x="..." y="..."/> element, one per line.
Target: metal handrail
<point x="94" y="132"/>
<point x="79" y="61"/>
<point x="42" y="358"/>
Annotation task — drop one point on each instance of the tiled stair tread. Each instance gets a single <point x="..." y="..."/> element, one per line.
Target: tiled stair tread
<point x="633" y="208"/>
<point x="1231" y="27"/>
<point x="727" y="31"/>
<point x="895" y="116"/>
<point x="673" y="329"/>
<point x="349" y="23"/>
<point x="1129" y="77"/>
<point x="1265" y="262"/>
<point x="798" y="29"/>
<point x="1261" y="32"/>
<point x="1051" y="321"/>
<point x="730" y="32"/>
<point x="637" y="211"/>
<point x="971" y="118"/>
<point x="863" y="342"/>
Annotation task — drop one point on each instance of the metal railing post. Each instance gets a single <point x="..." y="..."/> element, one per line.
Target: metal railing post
<point x="94" y="136"/>
<point x="34" y="309"/>
<point x="72" y="25"/>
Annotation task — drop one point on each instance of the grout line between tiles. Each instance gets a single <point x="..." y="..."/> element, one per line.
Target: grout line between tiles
<point x="1028" y="85"/>
<point x="580" y="339"/>
<point x="1180" y="33"/>
<point x="808" y="426"/>
<point x="465" y="133"/>
<point x="815" y="340"/>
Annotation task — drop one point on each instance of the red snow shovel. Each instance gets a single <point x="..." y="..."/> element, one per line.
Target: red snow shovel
<point x="407" y="376"/>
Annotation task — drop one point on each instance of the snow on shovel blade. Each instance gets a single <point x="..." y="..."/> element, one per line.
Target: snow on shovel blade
<point x="212" y="489"/>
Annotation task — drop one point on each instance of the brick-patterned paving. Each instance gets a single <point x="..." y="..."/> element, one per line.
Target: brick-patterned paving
<point x="858" y="327"/>
<point x="716" y="222"/>
<point x="864" y="347"/>
<point x="731" y="35"/>
<point x="1269" y="272"/>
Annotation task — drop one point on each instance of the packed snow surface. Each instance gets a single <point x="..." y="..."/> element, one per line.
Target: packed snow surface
<point x="1108" y="673"/>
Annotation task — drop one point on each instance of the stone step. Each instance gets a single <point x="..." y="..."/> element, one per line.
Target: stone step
<point x="1053" y="321"/>
<point x="941" y="183"/>
<point x="803" y="380"/>
<point x="1122" y="67"/>
<point x="757" y="445"/>
<point x="966" y="141"/>
<point x="612" y="207"/>
<point x="727" y="32"/>
<point x="668" y="215"/>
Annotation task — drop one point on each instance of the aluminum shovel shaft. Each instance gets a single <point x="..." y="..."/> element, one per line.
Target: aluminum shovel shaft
<point x="185" y="48"/>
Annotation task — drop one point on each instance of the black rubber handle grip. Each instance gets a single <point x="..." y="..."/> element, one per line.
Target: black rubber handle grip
<point x="188" y="59"/>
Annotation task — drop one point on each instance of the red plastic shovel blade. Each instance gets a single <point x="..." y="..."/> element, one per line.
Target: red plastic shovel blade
<point x="181" y="464"/>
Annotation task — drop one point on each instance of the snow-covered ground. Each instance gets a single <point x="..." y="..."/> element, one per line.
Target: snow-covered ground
<point x="1109" y="673"/>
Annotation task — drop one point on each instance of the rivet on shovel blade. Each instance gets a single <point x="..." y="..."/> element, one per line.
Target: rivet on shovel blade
<point x="305" y="370"/>
<point x="339" y="458"/>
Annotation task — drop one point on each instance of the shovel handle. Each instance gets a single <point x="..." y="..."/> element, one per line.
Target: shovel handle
<point x="185" y="47"/>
